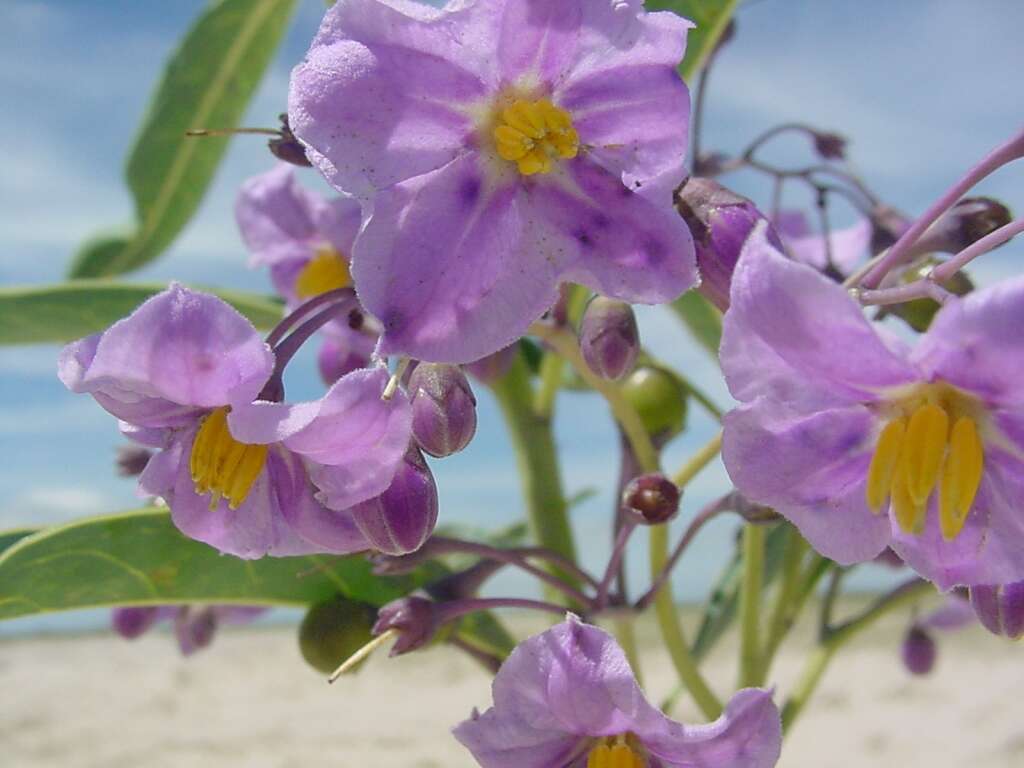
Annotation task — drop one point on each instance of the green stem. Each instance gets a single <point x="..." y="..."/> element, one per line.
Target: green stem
<point x="782" y="615"/>
<point x="698" y="461"/>
<point x="625" y="633"/>
<point x="750" y="605"/>
<point x="537" y="459"/>
<point x="903" y="595"/>
<point x="550" y="381"/>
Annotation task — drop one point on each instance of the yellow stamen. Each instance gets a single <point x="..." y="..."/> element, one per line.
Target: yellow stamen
<point x="221" y="465"/>
<point x="961" y="477"/>
<point x="909" y="514"/>
<point x="884" y="463"/>
<point x="326" y="271"/>
<point x="534" y="133"/>
<point x="924" y="448"/>
<point x="600" y="757"/>
<point x="617" y="754"/>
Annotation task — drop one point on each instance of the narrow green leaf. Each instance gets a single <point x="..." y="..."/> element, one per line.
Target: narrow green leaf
<point x="12" y="536"/>
<point x="710" y="16"/>
<point x="140" y="558"/>
<point x="40" y="314"/>
<point x="208" y="82"/>
<point x="702" y="319"/>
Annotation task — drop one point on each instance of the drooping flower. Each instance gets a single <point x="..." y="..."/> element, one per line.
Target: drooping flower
<point x="567" y="698"/>
<point x="306" y="242"/>
<point x="863" y="443"/>
<point x="194" y="625"/>
<point x="500" y="147"/>
<point x="184" y="373"/>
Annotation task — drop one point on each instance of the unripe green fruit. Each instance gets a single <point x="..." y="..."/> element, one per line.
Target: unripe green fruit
<point x="332" y="631"/>
<point x="659" y="399"/>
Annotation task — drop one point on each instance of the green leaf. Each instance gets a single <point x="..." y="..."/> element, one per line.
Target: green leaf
<point x="67" y="311"/>
<point x="702" y="318"/>
<point x="207" y="84"/>
<point x="12" y="536"/>
<point x="140" y="558"/>
<point x="710" y="16"/>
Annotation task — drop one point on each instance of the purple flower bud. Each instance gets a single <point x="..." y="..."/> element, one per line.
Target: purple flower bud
<point x="1000" y="608"/>
<point x="400" y="519"/>
<point x="965" y="223"/>
<point x="415" y="619"/>
<point x="609" y="338"/>
<point x="720" y="222"/>
<point x="830" y="146"/>
<point x="287" y="148"/>
<point x="195" y="628"/>
<point x="492" y="367"/>
<point x="653" y="498"/>
<point x="130" y="623"/>
<point x="131" y="460"/>
<point x="443" y="408"/>
<point x="918" y="651"/>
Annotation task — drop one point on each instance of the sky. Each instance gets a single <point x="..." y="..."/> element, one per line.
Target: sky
<point x="922" y="88"/>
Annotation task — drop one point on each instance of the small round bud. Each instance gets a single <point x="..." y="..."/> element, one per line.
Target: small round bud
<point x="443" y="408"/>
<point x="1000" y="608"/>
<point x="720" y="222"/>
<point x="414" y="618"/>
<point x="609" y="338"/>
<point x="133" y="622"/>
<point x="659" y="399"/>
<point x="288" y="148"/>
<point x="334" y="630"/>
<point x="964" y="224"/>
<point x="493" y="367"/>
<point x="830" y="146"/>
<point x="919" y="651"/>
<point x="400" y="519"/>
<point x="653" y="498"/>
<point x="131" y="460"/>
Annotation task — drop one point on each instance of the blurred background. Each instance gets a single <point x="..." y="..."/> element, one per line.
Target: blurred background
<point x="921" y="88"/>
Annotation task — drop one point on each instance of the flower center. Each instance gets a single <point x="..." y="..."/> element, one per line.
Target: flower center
<point x="533" y="134"/>
<point x="931" y="440"/>
<point x="222" y="466"/>
<point x="326" y="271"/>
<point x="616" y="752"/>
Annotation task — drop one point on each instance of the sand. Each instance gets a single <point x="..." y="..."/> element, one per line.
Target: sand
<point x="250" y="700"/>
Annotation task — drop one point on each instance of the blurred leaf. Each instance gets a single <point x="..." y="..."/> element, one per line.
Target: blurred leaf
<point x="702" y="318"/>
<point x="140" y="558"/>
<point x="12" y="536"/>
<point x="68" y="311"/>
<point x="207" y="84"/>
<point x="486" y="632"/>
<point x="721" y="608"/>
<point x="710" y="16"/>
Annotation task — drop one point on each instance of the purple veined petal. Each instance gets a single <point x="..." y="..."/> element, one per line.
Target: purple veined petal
<point x="382" y="94"/>
<point x="812" y="469"/>
<point x="975" y="343"/>
<point x="627" y="101"/>
<point x="847" y="247"/>
<point x="161" y="472"/>
<point x="537" y="39"/>
<point x="338" y="222"/>
<point x="259" y="526"/>
<point x="147" y="436"/>
<point x="747" y="735"/>
<point x="611" y="239"/>
<point x="181" y="351"/>
<point x="443" y="263"/>
<point x="501" y="742"/>
<point x="990" y="548"/>
<point x="342" y="351"/>
<point x="796" y="336"/>
<point x="327" y="530"/>
<point x="277" y="217"/>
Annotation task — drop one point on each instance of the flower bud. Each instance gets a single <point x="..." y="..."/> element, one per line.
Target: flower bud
<point x="131" y="460"/>
<point x="400" y="519"/>
<point x="334" y="630"/>
<point x="415" y="620"/>
<point x="443" y="408"/>
<point x="659" y="399"/>
<point x="720" y="222"/>
<point x="653" y="498"/>
<point x="609" y="339"/>
<point x="965" y="223"/>
<point x="132" y="622"/>
<point x="288" y="148"/>
<point x="195" y="628"/>
<point x="1000" y="608"/>
<point x="918" y="651"/>
<point x="492" y="367"/>
<point x="830" y="146"/>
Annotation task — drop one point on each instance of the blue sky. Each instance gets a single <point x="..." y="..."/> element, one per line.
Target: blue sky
<point x="922" y="87"/>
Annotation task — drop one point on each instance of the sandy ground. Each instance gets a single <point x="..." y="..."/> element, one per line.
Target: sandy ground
<point x="250" y="701"/>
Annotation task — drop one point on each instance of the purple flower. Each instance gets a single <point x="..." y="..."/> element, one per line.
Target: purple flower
<point x="194" y="625"/>
<point x="567" y="698"/>
<point x="501" y="146"/>
<point x="863" y="443"/>
<point x="307" y="242"/>
<point x="846" y="249"/>
<point x="183" y="372"/>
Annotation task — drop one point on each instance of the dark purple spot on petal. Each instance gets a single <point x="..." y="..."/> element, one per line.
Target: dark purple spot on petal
<point x="469" y="191"/>
<point x="583" y="238"/>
